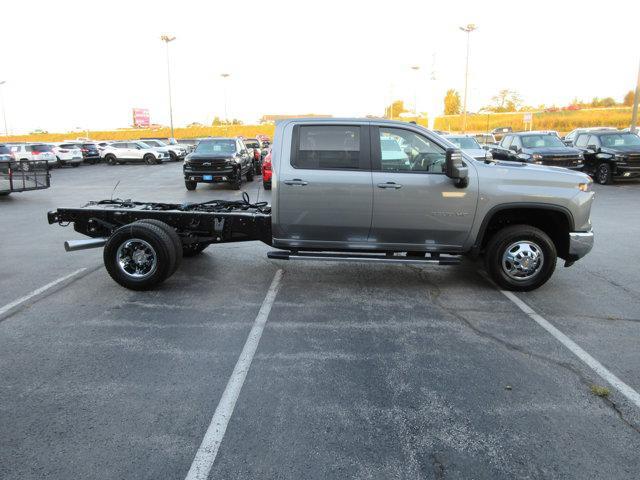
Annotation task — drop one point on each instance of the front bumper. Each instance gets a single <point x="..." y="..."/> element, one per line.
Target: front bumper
<point x="215" y="176"/>
<point x="626" y="171"/>
<point x="580" y="243"/>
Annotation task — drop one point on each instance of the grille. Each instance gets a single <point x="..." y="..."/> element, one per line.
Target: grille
<point x="562" y="160"/>
<point x="633" y="160"/>
<point x="210" y="165"/>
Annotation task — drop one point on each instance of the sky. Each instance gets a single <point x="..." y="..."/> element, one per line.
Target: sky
<point x="86" y="64"/>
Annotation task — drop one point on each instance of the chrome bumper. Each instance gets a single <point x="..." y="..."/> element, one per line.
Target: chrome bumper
<point x="580" y="243"/>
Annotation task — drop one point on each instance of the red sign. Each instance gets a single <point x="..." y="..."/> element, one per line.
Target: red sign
<point x="141" y="117"/>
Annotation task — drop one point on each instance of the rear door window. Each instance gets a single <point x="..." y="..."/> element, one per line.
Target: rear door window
<point x="333" y="147"/>
<point x="581" y="141"/>
<point x="506" y="141"/>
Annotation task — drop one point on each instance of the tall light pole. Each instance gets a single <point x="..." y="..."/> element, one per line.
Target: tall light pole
<point x="166" y="39"/>
<point x="416" y="69"/>
<point x="634" y="116"/>
<point x="225" y="76"/>
<point x="468" y="29"/>
<point x="4" y="112"/>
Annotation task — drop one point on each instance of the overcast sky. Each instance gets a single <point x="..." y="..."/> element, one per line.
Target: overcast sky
<point x="88" y="63"/>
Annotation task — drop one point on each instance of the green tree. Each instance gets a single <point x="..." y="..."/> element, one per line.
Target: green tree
<point x="505" y="101"/>
<point x="452" y="102"/>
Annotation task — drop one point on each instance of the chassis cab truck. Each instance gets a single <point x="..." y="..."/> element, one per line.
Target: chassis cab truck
<point x="363" y="190"/>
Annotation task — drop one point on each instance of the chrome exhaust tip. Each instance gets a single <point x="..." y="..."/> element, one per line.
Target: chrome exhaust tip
<point x="84" y="244"/>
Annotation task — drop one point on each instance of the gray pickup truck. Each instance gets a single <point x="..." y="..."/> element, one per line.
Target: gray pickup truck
<point x="362" y="190"/>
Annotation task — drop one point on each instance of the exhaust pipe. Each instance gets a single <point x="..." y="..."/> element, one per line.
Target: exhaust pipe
<point x="73" y="245"/>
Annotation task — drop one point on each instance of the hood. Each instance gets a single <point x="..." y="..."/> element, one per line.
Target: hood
<point x="201" y="157"/>
<point x="552" y="150"/>
<point x="554" y="173"/>
<point x="622" y="149"/>
<point x="477" y="153"/>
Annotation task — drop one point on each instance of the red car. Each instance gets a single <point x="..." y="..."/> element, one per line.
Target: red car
<point x="266" y="171"/>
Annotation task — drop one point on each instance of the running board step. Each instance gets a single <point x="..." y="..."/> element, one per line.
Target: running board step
<point x="360" y="258"/>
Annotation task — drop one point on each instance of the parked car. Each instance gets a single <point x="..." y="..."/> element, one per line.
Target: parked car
<point x="570" y="137"/>
<point x="342" y="199"/>
<point x="218" y="160"/>
<point x="485" y="139"/>
<point x="264" y="146"/>
<point x="133" y="151"/>
<point x="500" y="132"/>
<point x="101" y="145"/>
<point x="468" y="144"/>
<point x="266" y="171"/>
<point x="33" y="152"/>
<point x="5" y="153"/>
<point x="610" y="154"/>
<point x="67" y="154"/>
<point x="541" y="148"/>
<point x="176" y="152"/>
<point x="255" y="152"/>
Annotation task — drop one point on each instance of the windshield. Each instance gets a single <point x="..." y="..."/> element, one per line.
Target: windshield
<point x="41" y="148"/>
<point x="143" y="145"/>
<point x="154" y="143"/>
<point x="465" y="143"/>
<point x="620" y="140"/>
<point x="4" y="150"/>
<point x="541" y="141"/>
<point x="216" y="147"/>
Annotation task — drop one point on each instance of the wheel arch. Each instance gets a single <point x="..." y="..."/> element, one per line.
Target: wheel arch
<point x="555" y="220"/>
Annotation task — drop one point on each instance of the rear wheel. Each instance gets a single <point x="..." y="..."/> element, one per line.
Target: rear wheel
<point x="139" y="256"/>
<point x="266" y="185"/>
<point x="149" y="159"/>
<point x="250" y="175"/>
<point x="173" y="235"/>
<point x="190" y="185"/>
<point x="110" y="159"/>
<point x="59" y="162"/>
<point x="76" y="164"/>
<point x="604" y="175"/>
<point x="520" y="258"/>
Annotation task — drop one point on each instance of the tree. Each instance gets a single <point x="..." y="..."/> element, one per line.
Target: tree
<point x="216" y="121"/>
<point x="452" y="102"/>
<point x="505" y="101"/>
<point x="395" y="109"/>
<point x="628" y="98"/>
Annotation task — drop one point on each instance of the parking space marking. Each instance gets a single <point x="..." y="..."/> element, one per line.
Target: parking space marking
<point x="632" y="395"/>
<point x="38" y="291"/>
<point x="206" y="454"/>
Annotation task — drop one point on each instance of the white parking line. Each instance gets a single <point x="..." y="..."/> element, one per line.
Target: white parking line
<point x="206" y="454"/>
<point x="632" y="395"/>
<point x="38" y="291"/>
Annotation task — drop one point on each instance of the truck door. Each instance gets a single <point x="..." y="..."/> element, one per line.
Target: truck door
<point x="414" y="202"/>
<point x="324" y="186"/>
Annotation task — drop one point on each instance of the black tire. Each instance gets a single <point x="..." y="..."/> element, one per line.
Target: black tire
<point x="110" y="159"/>
<point x="150" y="159"/>
<point x="193" y="249"/>
<point x="604" y="174"/>
<point x="266" y="185"/>
<point x="250" y="175"/>
<point x="92" y="161"/>
<point x="535" y="247"/>
<point x="173" y="235"/>
<point x="59" y="163"/>
<point x="157" y="245"/>
<point x="75" y="165"/>
<point x="190" y="185"/>
<point x="237" y="183"/>
<point x="172" y="156"/>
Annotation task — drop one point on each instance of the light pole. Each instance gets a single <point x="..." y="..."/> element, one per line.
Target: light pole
<point x="166" y="39"/>
<point x="415" y="68"/>
<point x="225" y="76"/>
<point x="468" y="29"/>
<point x="634" y="116"/>
<point x="4" y="112"/>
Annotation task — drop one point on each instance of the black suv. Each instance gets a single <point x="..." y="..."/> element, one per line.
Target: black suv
<point x="542" y="148"/>
<point x="90" y="152"/>
<point x="218" y="160"/>
<point x="609" y="154"/>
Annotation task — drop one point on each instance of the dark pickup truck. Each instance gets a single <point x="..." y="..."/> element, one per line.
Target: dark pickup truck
<point x="218" y="160"/>
<point x="610" y="154"/>
<point x="541" y="148"/>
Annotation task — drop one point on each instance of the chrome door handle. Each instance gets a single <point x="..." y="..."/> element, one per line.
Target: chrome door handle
<point x="390" y="185"/>
<point x="296" y="182"/>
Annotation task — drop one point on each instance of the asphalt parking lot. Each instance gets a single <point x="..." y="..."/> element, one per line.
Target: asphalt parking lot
<point x="362" y="371"/>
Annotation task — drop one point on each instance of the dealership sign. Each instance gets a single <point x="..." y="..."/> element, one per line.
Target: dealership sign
<point x="141" y="117"/>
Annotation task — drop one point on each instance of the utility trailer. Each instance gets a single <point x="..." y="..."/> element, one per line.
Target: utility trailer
<point x="144" y="242"/>
<point x="23" y="176"/>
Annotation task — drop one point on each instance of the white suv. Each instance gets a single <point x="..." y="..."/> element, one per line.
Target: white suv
<point x="175" y="152"/>
<point x="122" y="152"/>
<point x="32" y="152"/>
<point x="67" y="154"/>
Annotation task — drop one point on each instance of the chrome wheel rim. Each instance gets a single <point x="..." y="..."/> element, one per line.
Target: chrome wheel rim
<point x="602" y="174"/>
<point x="137" y="258"/>
<point x="522" y="260"/>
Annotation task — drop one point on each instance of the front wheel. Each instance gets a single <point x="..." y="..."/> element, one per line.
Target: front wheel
<point x="150" y="159"/>
<point x="266" y="185"/>
<point x="250" y="175"/>
<point x="111" y="160"/>
<point x="190" y="185"/>
<point x="604" y="175"/>
<point x="520" y="258"/>
<point x="237" y="183"/>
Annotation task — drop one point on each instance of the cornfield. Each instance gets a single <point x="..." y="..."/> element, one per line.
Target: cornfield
<point x="562" y="121"/>
<point x="136" y="133"/>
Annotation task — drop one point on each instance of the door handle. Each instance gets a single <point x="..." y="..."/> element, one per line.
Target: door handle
<point x="296" y="182"/>
<point x="390" y="185"/>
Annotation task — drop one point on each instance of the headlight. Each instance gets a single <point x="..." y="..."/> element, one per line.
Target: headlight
<point x="536" y="156"/>
<point x="585" y="187"/>
<point x="620" y="158"/>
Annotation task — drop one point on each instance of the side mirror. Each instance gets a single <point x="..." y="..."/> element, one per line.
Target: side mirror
<point x="514" y="148"/>
<point x="593" y="148"/>
<point x="244" y="151"/>
<point x="455" y="167"/>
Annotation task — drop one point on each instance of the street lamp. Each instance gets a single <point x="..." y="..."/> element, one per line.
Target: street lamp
<point x="415" y="68"/>
<point x="166" y="39"/>
<point x="4" y="112"/>
<point x="468" y="29"/>
<point x="225" y="76"/>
